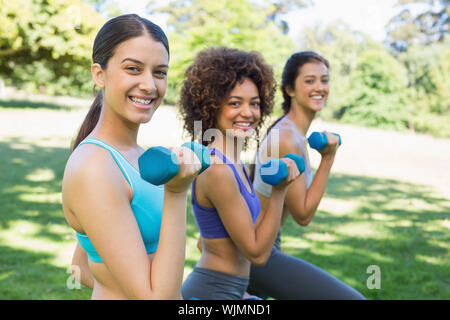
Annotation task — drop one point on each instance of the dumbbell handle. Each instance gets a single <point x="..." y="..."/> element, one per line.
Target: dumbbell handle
<point x="318" y="140"/>
<point x="275" y="171"/>
<point x="158" y="165"/>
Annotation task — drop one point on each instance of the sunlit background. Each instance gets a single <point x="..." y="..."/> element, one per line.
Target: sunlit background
<point x="388" y="196"/>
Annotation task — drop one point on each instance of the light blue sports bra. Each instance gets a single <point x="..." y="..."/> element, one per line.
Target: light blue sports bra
<point x="147" y="204"/>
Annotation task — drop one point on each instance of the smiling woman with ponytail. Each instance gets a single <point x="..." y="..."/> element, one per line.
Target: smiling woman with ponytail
<point x="305" y="90"/>
<point x="131" y="234"/>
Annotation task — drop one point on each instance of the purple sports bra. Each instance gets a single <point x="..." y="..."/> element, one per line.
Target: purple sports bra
<point x="208" y="220"/>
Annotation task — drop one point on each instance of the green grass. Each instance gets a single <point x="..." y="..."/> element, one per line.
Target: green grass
<point x="401" y="227"/>
<point x="35" y="241"/>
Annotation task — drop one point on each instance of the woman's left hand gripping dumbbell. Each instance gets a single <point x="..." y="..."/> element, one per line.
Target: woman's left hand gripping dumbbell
<point x="176" y="168"/>
<point x="325" y="142"/>
<point x="281" y="172"/>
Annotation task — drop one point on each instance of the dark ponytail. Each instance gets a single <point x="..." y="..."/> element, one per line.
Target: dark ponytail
<point x="90" y="121"/>
<point x="114" y="32"/>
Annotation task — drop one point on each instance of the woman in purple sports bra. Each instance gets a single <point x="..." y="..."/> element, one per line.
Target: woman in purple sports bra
<point x="225" y="98"/>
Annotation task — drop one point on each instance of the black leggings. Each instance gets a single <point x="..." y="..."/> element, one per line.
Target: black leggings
<point x="206" y="284"/>
<point x="288" y="278"/>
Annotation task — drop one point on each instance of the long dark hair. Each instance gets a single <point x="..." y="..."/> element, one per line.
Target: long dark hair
<point x="114" y="32"/>
<point x="290" y="73"/>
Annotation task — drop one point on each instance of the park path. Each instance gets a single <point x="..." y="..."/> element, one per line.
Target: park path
<point x="403" y="156"/>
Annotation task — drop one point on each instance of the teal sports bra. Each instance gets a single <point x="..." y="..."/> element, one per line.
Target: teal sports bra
<point x="147" y="204"/>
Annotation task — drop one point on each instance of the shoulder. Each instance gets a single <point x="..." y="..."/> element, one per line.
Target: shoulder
<point x="217" y="173"/>
<point x="217" y="179"/>
<point x="281" y="143"/>
<point x="91" y="169"/>
<point x="288" y="142"/>
<point x="88" y="160"/>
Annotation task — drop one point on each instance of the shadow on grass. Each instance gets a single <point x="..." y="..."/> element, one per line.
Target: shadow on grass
<point x="26" y="275"/>
<point x="395" y="225"/>
<point x="31" y="184"/>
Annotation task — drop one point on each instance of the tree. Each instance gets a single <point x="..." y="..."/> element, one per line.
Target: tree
<point x="107" y="8"/>
<point x="428" y="86"/>
<point x="419" y="22"/>
<point x="197" y="24"/>
<point x="428" y="69"/>
<point x="182" y="11"/>
<point x="342" y="47"/>
<point x="281" y="7"/>
<point x="377" y="92"/>
<point x="47" y="44"/>
<point x="97" y="4"/>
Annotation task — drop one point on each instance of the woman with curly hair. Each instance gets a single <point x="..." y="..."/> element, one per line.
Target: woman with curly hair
<point x="229" y="92"/>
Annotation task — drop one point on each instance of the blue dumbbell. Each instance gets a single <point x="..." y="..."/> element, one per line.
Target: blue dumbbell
<point x="274" y="171"/>
<point x="318" y="140"/>
<point x="158" y="165"/>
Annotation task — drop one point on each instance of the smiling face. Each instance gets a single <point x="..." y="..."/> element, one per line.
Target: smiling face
<point x="311" y="87"/>
<point x="135" y="78"/>
<point x="241" y="111"/>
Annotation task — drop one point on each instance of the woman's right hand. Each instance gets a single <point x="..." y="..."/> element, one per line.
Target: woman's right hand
<point x="332" y="146"/>
<point x="293" y="173"/>
<point x="188" y="167"/>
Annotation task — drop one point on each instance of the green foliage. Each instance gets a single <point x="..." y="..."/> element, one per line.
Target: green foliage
<point x="429" y="87"/>
<point x="280" y="7"/>
<point x="371" y="87"/>
<point x="46" y="44"/>
<point x="200" y="24"/>
<point x="432" y="124"/>
<point x="341" y="46"/>
<point x="108" y="8"/>
<point x="377" y="90"/>
<point x="428" y="69"/>
<point x="419" y="22"/>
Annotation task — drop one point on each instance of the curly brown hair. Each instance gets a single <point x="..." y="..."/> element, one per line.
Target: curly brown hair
<point x="211" y="78"/>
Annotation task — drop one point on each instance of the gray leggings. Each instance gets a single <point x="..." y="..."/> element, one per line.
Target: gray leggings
<point x="288" y="278"/>
<point x="205" y="284"/>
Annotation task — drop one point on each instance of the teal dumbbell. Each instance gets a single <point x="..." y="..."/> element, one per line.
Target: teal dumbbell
<point x="274" y="171"/>
<point x="318" y="140"/>
<point x="158" y="165"/>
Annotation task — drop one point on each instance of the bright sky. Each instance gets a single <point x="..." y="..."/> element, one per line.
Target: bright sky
<point x="367" y="16"/>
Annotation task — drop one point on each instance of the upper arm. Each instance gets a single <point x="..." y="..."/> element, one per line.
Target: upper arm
<point x="229" y="203"/>
<point x="96" y="193"/>
<point x="296" y="192"/>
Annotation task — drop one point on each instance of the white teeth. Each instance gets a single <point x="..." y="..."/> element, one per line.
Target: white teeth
<point x="140" y="101"/>
<point x="316" y="97"/>
<point x="243" y="124"/>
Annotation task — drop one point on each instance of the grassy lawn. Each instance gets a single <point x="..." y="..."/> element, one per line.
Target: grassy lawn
<point x="402" y="228"/>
